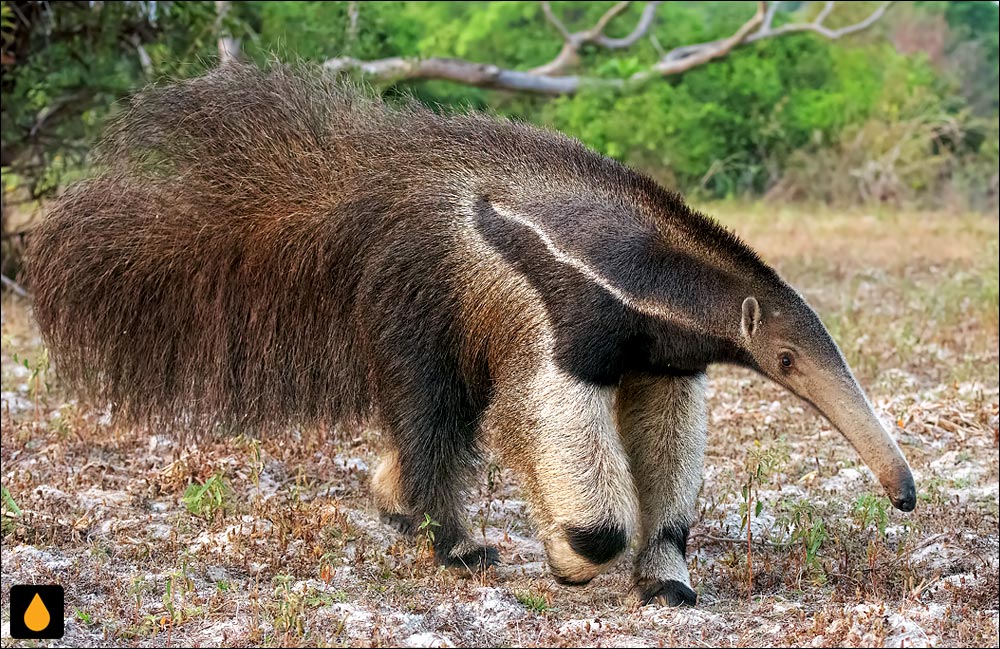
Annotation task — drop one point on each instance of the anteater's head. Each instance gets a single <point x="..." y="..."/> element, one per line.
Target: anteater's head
<point x="788" y="344"/>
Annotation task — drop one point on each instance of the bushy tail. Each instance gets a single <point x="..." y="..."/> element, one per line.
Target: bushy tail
<point x="191" y="281"/>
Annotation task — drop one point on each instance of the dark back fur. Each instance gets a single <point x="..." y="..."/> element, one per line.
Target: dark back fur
<point x="258" y="247"/>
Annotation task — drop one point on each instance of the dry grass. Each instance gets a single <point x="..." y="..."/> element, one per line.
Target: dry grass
<point x="241" y="542"/>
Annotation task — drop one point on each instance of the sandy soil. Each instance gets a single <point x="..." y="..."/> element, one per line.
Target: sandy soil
<point x="275" y="542"/>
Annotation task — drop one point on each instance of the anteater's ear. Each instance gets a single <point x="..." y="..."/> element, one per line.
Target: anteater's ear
<point x="750" y="319"/>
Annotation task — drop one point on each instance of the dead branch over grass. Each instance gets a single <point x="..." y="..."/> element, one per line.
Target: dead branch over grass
<point x="243" y="542"/>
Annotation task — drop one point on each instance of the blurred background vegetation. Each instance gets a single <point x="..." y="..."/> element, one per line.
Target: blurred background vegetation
<point x="903" y="112"/>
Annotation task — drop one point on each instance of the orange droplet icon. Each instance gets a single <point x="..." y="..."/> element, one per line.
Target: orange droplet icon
<point x="37" y="616"/>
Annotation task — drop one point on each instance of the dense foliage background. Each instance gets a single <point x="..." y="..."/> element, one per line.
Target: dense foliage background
<point x="904" y="112"/>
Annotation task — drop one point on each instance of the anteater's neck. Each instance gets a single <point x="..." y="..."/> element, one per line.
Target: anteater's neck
<point x="697" y="283"/>
<point x="704" y="325"/>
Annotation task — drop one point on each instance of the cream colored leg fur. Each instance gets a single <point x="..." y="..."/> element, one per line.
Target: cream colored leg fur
<point x="663" y="423"/>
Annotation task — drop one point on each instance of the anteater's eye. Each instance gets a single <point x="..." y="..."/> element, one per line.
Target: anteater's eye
<point x="786" y="360"/>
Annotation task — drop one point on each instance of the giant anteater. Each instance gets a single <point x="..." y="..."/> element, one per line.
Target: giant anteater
<point x="262" y="249"/>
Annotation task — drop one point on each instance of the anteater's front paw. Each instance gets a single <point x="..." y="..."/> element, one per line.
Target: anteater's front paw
<point x="472" y="557"/>
<point x="666" y="593"/>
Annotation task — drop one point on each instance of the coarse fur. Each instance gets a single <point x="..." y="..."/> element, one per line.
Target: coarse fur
<point x="265" y="249"/>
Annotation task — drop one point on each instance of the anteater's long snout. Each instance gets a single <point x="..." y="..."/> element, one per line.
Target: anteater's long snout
<point x="880" y="452"/>
<point x="851" y="413"/>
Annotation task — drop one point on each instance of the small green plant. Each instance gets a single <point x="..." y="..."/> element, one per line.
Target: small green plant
<point x="37" y="370"/>
<point x="426" y="534"/>
<point x="328" y="566"/>
<point x="315" y="598"/>
<point x="205" y="500"/>
<point x="532" y="601"/>
<point x="760" y="465"/>
<point x="138" y="588"/>
<point x="807" y="531"/>
<point x="8" y="502"/>
<point x="63" y="423"/>
<point x="147" y="626"/>
<point x="256" y="458"/>
<point x="871" y="512"/>
<point x="175" y="590"/>
<point x="84" y="617"/>
<point x="427" y="526"/>
<point x="8" y="511"/>
<point x="932" y="490"/>
<point x="289" y="616"/>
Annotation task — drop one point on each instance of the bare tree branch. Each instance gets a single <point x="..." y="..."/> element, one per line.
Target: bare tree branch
<point x="645" y="22"/>
<point x="548" y="80"/>
<point x="229" y="47"/>
<point x="769" y="16"/>
<point x="569" y="55"/>
<point x="655" y="42"/>
<point x="352" y="22"/>
<point x="827" y="8"/>
<point x="555" y="22"/>
<point x="483" y="75"/>
<point x="710" y="51"/>
<point x="818" y="26"/>
<point x="608" y="16"/>
<point x="13" y="286"/>
<point x="144" y="60"/>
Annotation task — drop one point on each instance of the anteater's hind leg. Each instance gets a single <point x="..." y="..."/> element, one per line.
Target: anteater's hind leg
<point x="388" y="491"/>
<point x="558" y="433"/>
<point x="432" y="451"/>
<point x="662" y="420"/>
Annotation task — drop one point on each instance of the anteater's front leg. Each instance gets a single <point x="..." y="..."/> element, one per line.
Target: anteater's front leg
<point x="662" y="420"/>
<point x="559" y="435"/>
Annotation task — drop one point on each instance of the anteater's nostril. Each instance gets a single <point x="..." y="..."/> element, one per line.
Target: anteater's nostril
<point x="905" y="499"/>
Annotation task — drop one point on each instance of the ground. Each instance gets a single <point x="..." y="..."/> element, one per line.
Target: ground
<point x="275" y="542"/>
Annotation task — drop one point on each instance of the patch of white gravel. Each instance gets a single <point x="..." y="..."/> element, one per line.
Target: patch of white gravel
<point x="377" y="533"/>
<point x="498" y="604"/>
<point x="763" y="526"/>
<point x="15" y="402"/>
<point x="485" y="621"/>
<point x="48" y="492"/>
<point x="94" y="496"/>
<point x="356" y="620"/>
<point x="937" y="556"/>
<point x="691" y="617"/>
<point x="427" y="640"/>
<point x="264" y="486"/>
<point x="626" y="641"/>
<point x="957" y="466"/>
<point x="31" y="558"/>
<point x="902" y="628"/>
<point x="350" y="463"/>
<point x="848" y="480"/>
<point x="962" y="581"/>
<point x="251" y="528"/>
<point x="586" y="627"/>
<point x="406" y="623"/>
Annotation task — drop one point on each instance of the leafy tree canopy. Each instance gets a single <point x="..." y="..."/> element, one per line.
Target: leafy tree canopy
<point x="745" y="123"/>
